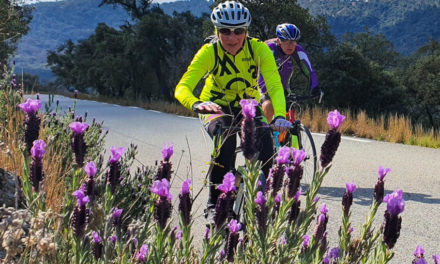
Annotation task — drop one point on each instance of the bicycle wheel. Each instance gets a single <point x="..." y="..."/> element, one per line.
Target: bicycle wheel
<point x="306" y="143"/>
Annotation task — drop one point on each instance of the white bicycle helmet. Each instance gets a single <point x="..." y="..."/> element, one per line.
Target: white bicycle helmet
<point x="230" y="14"/>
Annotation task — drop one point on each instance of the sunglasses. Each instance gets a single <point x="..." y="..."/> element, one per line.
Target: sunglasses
<point x="228" y="31"/>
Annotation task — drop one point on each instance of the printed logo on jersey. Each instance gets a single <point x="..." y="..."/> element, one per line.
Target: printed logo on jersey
<point x="223" y="65"/>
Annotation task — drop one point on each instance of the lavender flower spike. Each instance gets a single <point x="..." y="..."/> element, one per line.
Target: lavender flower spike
<point x="185" y="186"/>
<point x="283" y="156"/>
<point x="248" y="107"/>
<point x="260" y="200"/>
<point x="162" y="188"/>
<point x="298" y="156"/>
<point x="185" y="203"/>
<point x="419" y="252"/>
<point x="36" y="167"/>
<point x="82" y="199"/>
<point x="347" y="200"/>
<point x="38" y="149"/>
<point x="383" y="172"/>
<point x="116" y="216"/>
<point x="167" y="151"/>
<point x="395" y="202"/>
<point x="350" y="187"/>
<point x="228" y="184"/>
<point x="436" y="258"/>
<point x="335" y="119"/>
<point x="98" y="246"/>
<point x="78" y="127"/>
<point x="116" y="154"/>
<point x="141" y="255"/>
<point x="30" y="106"/>
<point x="91" y="169"/>
<point x="232" y="242"/>
<point x="306" y="240"/>
<point x="392" y="225"/>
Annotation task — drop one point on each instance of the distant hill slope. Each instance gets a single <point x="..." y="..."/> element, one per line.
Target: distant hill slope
<point x="54" y="23"/>
<point x="406" y="23"/>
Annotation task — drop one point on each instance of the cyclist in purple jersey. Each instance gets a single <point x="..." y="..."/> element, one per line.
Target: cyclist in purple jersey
<point x="287" y="51"/>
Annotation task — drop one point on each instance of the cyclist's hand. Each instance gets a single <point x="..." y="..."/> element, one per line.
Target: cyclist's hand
<point x="280" y="124"/>
<point x="207" y="108"/>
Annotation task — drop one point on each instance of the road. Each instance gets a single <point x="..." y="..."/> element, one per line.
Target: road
<point x="415" y="170"/>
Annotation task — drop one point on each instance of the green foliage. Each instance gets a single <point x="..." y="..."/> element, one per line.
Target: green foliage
<point x="14" y="20"/>
<point x="422" y="81"/>
<point x="407" y="24"/>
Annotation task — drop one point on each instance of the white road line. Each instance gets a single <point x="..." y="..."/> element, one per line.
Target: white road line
<point x="188" y="117"/>
<point x="155" y="111"/>
<point x="347" y="138"/>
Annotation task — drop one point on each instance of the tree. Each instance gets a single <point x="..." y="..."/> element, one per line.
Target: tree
<point x="136" y="8"/>
<point x="422" y="81"/>
<point x="14" y="20"/>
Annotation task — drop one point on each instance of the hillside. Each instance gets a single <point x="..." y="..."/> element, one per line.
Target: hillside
<point x="54" y="23"/>
<point x="408" y="24"/>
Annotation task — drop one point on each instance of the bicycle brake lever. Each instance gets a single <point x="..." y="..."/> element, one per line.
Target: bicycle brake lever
<point x="320" y="96"/>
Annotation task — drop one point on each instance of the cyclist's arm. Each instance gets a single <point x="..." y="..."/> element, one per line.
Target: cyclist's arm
<point x="270" y="43"/>
<point x="306" y="67"/>
<point x="272" y="79"/>
<point x="202" y="62"/>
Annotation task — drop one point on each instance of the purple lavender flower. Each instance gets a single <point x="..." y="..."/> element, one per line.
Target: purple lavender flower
<point x="222" y="255"/>
<point x="32" y="121"/>
<point x="436" y="258"/>
<point x="395" y="202"/>
<point x="306" y="241"/>
<point x="283" y="156"/>
<point x="30" y="106"/>
<point x="332" y="138"/>
<point x="276" y="207"/>
<point x="326" y="259"/>
<point x="97" y="245"/>
<point x="164" y="170"/>
<point x="294" y="210"/>
<point x="113" y="239"/>
<point x="334" y="253"/>
<point x="419" y="256"/>
<point x="298" y="156"/>
<point x="162" y="206"/>
<point x="80" y="213"/>
<point x="142" y="254"/>
<point x="114" y="174"/>
<point x="294" y="176"/>
<point x="207" y="233"/>
<point x="116" y="217"/>
<point x="380" y="185"/>
<point x="162" y="188"/>
<point x="321" y="223"/>
<point x="383" y="172"/>
<point x="91" y="171"/>
<point x="185" y="203"/>
<point x="275" y="180"/>
<point x="79" y="146"/>
<point x="347" y="199"/>
<point x="248" y="107"/>
<point x="179" y="235"/>
<point x="228" y="184"/>
<point x="167" y="152"/>
<point x="36" y="167"/>
<point x="335" y="119"/>
<point x="248" y="130"/>
<point x="232" y="242"/>
<point x="392" y="224"/>
<point x="116" y="154"/>
<point x="261" y="212"/>
<point x="225" y="201"/>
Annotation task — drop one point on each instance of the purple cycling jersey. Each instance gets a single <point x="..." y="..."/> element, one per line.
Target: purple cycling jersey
<point x="285" y="66"/>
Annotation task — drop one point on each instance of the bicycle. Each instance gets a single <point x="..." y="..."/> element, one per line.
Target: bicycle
<point x="299" y="137"/>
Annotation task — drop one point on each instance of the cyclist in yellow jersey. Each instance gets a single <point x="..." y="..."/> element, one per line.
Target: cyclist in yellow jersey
<point x="232" y="64"/>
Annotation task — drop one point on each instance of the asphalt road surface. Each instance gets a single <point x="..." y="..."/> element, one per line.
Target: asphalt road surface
<point x="415" y="170"/>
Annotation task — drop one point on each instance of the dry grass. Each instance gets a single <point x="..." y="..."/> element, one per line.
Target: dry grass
<point x="393" y="128"/>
